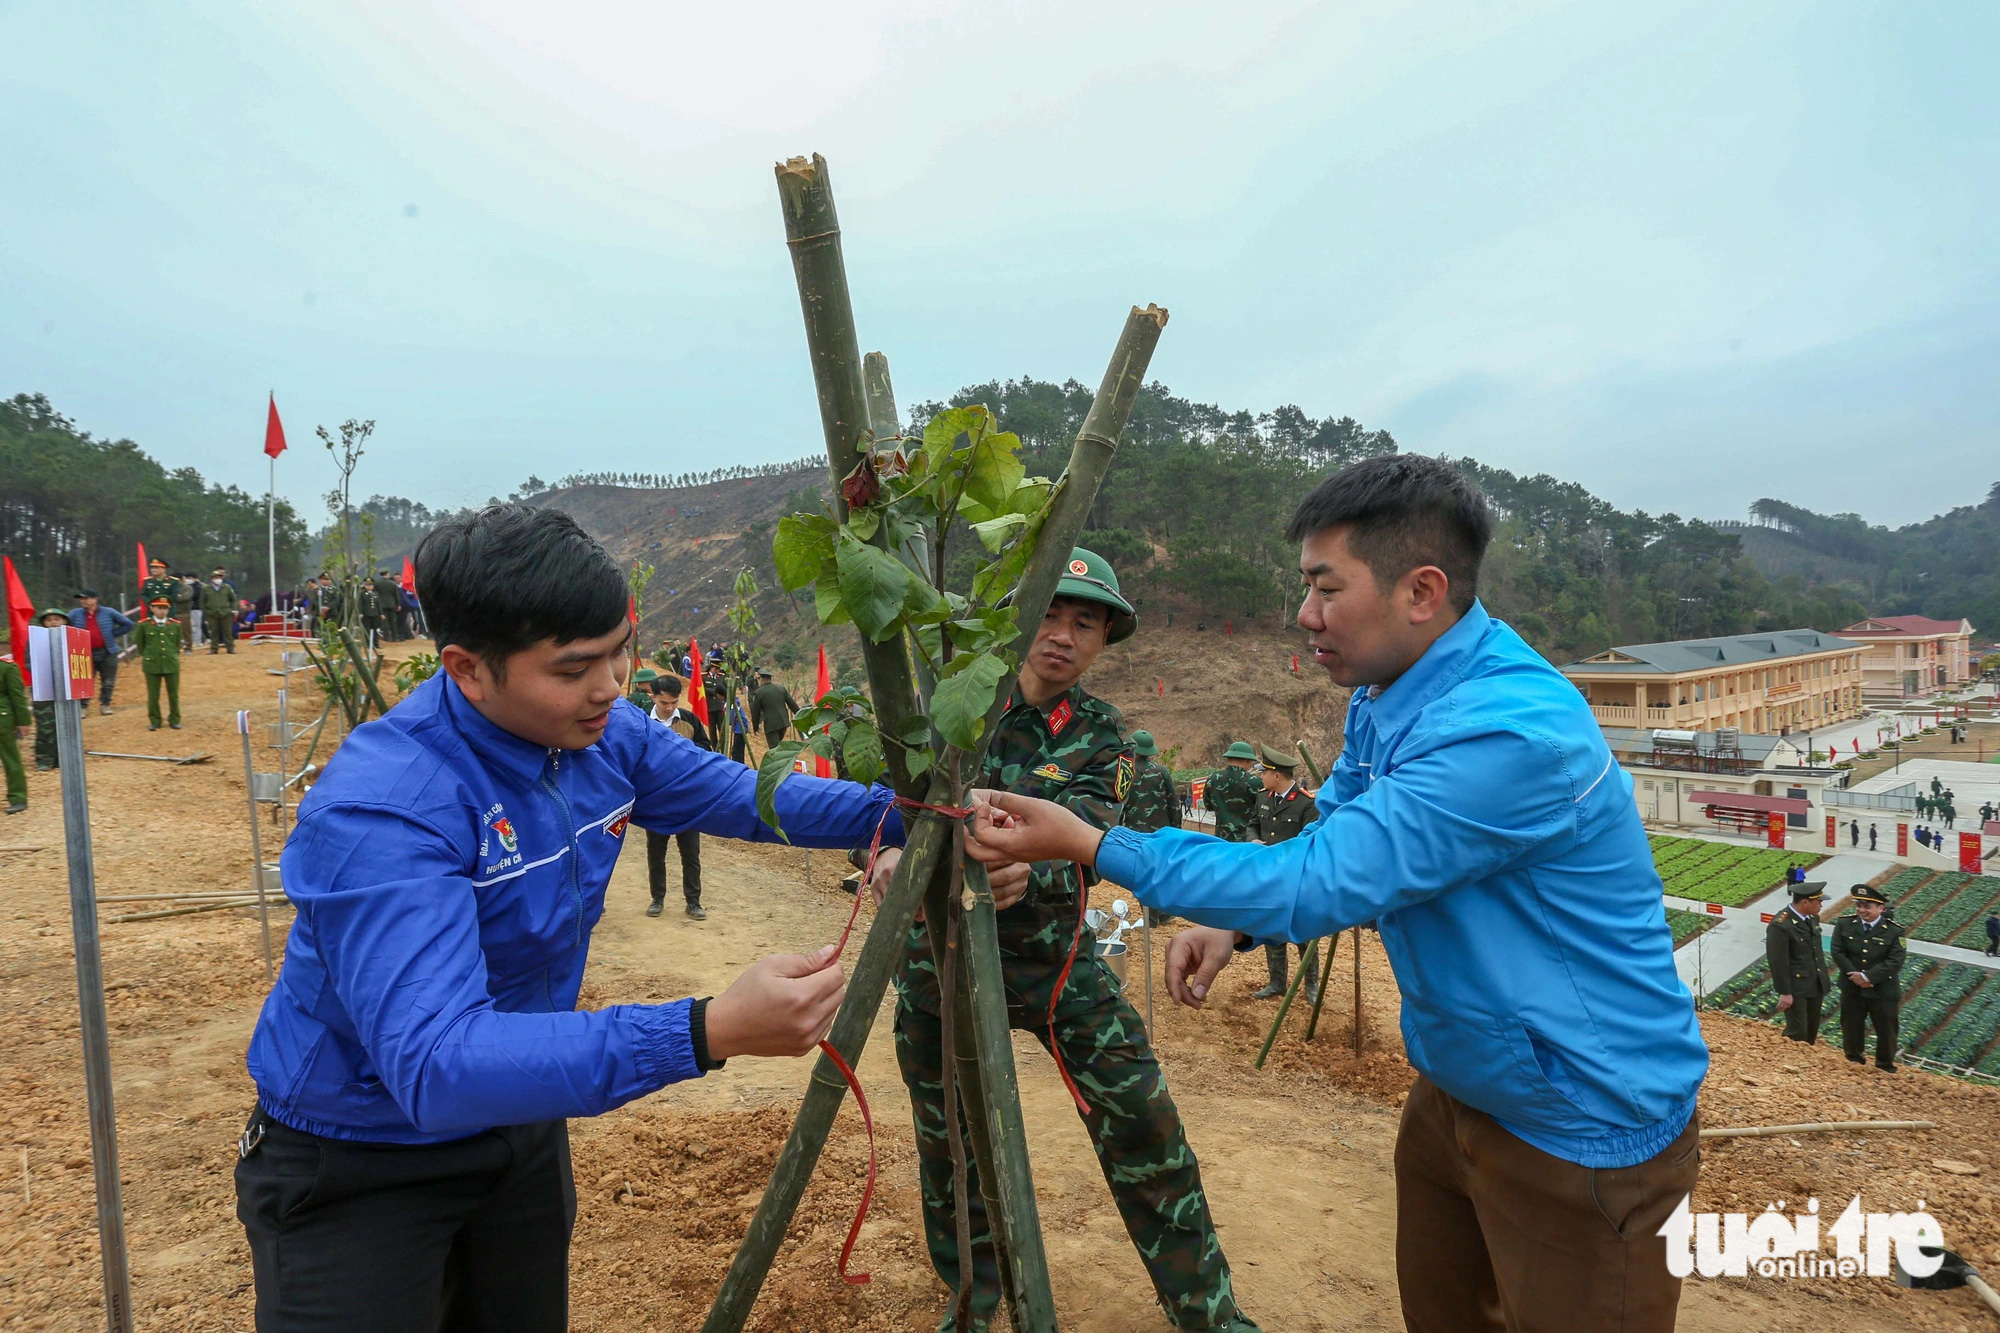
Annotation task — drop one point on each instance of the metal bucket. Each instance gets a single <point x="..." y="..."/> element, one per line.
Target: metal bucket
<point x="266" y="786"/>
<point x="1114" y="954"/>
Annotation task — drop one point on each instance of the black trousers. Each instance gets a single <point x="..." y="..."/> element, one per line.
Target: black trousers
<point x="463" y="1237"/>
<point x="1857" y="1008"/>
<point x="656" y="865"/>
<point x="739" y="747"/>
<point x="105" y="664"/>
<point x="1802" y="1019"/>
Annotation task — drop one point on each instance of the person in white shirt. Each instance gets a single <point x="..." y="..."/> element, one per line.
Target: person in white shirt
<point x="667" y="710"/>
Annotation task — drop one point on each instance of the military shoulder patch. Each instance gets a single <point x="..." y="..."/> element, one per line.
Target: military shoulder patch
<point x="1053" y="772"/>
<point x="1059" y="717"/>
<point x="1121" y="781"/>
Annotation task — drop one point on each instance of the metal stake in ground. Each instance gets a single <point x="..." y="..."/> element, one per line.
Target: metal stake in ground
<point x="51" y="653"/>
<point x="256" y="841"/>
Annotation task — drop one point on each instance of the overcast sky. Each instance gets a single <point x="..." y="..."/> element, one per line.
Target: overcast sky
<point x="1684" y="254"/>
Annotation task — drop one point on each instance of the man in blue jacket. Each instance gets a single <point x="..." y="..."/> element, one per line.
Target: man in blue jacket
<point x="1477" y="813"/>
<point x="407" y="1166"/>
<point x="105" y="625"/>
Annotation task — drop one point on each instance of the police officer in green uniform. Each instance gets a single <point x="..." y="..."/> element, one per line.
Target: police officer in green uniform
<point x="772" y="708"/>
<point x="1231" y="792"/>
<point x="45" y="710"/>
<point x="1283" y="809"/>
<point x="1797" y="958"/>
<point x="158" y="639"/>
<point x="1868" y="957"/>
<point x="1154" y="801"/>
<point x="1057" y="742"/>
<point x="14" y="715"/>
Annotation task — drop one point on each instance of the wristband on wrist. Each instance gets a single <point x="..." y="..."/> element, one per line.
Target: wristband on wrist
<point x="698" y="1033"/>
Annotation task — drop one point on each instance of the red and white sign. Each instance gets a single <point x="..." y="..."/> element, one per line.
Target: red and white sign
<point x="59" y="659"/>
<point x="1713" y="909"/>
<point x="1774" y="829"/>
<point x="1832" y="823"/>
<point x="1968" y="853"/>
<point x="1902" y="839"/>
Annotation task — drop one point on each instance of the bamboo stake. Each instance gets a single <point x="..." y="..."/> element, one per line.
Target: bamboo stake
<point x="1015" y="1220"/>
<point x="1318" y="778"/>
<point x="211" y="896"/>
<point x="1291" y="993"/>
<point x="1325" y="982"/>
<point x="1816" y="1127"/>
<point x="1357" y="992"/>
<point x="362" y="672"/>
<point x="813" y="232"/>
<point x="181" y="911"/>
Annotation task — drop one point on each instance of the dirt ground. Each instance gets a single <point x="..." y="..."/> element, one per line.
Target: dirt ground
<point x="1297" y="1158"/>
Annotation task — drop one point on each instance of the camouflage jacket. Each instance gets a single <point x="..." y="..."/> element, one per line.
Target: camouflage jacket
<point x="1075" y="754"/>
<point x="1232" y="794"/>
<point x="1154" y="802"/>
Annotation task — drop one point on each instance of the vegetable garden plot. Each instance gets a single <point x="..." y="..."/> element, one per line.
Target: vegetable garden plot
<point x="1687" y="925"/>
<point x="1950" y="1014"/>
<point x="1716" y="872"/>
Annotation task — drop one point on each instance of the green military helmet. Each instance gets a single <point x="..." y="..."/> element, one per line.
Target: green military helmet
<point x="55" y="611"/>
<point x="645" y="676"/>
<point x="1278" y="759"/>
<point x="1090" y="578"/>
<point x="1240" y="750"/>
<point x="1144" y="744"/>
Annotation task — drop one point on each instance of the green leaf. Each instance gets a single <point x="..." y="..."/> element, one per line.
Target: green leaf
<point x="803" y="544"/>
<point x="863" y="522"/>
<point x="924" y="605"/>
<point x="826" y="597"/>
<point x="777" y="766"/>
<point x="994" y="532"/>
<point x="918" y="762"/>
<point x="916" y="730"/>
<point x="1030" y="496"/>
<point x="873" y="584"/>
<point x="944" y="429"/>
<point x="995" y="470"/>
<point x="863" y="753"/>
<point x="959" y="704"/>
<point x="996" y="580"/>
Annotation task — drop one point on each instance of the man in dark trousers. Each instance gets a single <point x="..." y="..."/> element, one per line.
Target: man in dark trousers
<point x="105" y="625"/>
<point x="1993" y="936"/>
<point x="1868" y="955"/>
<point x="1231" y="793"/>
<point x="1283" y="809"/>
<point x="1853" y="833"/>
<point x="772" y="708"/>
<point x="407" y="1168"/>
<point x="1793" y="948"/>
<point x="218" y="612"/>
<point x="666" y="692"/>
<point x="1871" y="837"/>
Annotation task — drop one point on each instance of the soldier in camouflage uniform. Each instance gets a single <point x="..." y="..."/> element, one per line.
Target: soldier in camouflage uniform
<point x="45" y="710"/>
<point x="1154" y="802"/>
<point x="1283" y="809"/>
<point x="1231" y="792"/>
<point x="1056" y="741"/>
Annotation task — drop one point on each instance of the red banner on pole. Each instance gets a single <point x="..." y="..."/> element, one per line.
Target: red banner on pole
<point x="822" y="686"/>
<point x="20" y="615"/>
<point x="1774" y="829"/>
<point x="1832" y="823"/>
<point x="274" y="431"/>
<point x="1968" y="853"/>
<point x="1902" y="839"/>
<point x="697" y="692"/>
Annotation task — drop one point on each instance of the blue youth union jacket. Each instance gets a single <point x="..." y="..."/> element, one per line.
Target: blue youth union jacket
<point x="447" y="876"/>
<point x="1477" y="814"/>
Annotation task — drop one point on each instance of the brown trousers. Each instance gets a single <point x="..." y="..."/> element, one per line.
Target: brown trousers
<point x="1494" y="1234"/>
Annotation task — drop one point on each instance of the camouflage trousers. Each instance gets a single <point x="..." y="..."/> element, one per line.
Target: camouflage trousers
<point x="1133" y="1125"/>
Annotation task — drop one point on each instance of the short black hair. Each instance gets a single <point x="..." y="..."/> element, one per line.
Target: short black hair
<point x="670" y="685"/>
<point x="1402" y="512"/>
<point x="511" y="576"/>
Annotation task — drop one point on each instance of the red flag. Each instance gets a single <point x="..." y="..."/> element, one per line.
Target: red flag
<point x="409" y="576"/>
<point x="822" y="767"/>
<point x="697" y="693"/>
<point x="274" y="431"/>
<point x="20" y="615"/>
<point x="141" y="579"/>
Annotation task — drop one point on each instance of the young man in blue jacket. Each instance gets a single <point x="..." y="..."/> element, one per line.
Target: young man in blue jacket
<point x="407" y="1166"/>
<point x="1478" y="814"/>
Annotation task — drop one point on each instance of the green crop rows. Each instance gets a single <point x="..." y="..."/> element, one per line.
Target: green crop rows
<point x="1687" y="925"/>
<point x="1716" y="872"/>
<point x="1950" y="1013"/>
<point x="1945" y="908"/>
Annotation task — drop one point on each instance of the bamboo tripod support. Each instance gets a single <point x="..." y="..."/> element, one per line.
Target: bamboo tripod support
<point x="813" y="235"/>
